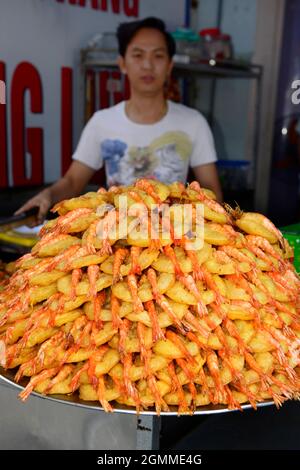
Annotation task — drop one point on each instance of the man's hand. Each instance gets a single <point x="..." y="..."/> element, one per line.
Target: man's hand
<point x="70" y="185"/>
<point x="43" y="201"/>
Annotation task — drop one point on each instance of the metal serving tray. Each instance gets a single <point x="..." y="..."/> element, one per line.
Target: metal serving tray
<point x="8" y="377"/>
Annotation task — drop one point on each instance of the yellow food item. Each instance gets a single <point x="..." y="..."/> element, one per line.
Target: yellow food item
<point x="151" y="320"/>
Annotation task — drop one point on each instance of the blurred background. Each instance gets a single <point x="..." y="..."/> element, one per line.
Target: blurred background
<point x="236" y="62"/>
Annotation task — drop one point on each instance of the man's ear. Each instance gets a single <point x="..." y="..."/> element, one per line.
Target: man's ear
<point x="171" y="65"/>
<point x="121" y="64"/>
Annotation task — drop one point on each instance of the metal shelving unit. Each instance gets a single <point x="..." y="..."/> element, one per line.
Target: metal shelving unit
<point x="224" y="69"/>
<point x="227" y="70"/>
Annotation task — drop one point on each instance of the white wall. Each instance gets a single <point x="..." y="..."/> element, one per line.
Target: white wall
<point x="50" y="35"/>
<point x="239" y="20"/>
<point x="268" y="43"/>
<point x="233" y="96"/>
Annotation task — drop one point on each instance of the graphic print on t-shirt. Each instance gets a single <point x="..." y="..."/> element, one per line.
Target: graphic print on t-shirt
<point x="165" y="159"/>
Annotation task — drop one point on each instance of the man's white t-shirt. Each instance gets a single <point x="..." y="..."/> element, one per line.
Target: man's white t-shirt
<point x="163" y="150"/>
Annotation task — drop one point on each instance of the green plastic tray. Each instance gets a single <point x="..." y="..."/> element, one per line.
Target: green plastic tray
<point x="292" y="234"/>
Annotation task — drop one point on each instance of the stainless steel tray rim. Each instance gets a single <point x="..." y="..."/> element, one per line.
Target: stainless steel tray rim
<point x="74" y="400"/>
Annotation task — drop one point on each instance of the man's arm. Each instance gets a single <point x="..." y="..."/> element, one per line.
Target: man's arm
<point x="207" y="176"/>
<point x="70" y="185"/>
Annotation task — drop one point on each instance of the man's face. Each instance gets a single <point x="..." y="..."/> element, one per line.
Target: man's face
<point x="146" y="62"/>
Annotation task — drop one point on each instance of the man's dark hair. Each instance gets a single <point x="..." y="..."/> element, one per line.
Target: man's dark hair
<point x="126" y="31"/>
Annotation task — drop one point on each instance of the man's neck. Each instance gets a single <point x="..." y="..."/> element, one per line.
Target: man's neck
<point x="146" y="109"/>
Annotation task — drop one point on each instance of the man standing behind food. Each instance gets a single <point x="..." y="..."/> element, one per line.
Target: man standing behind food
<point x="145" y="136"/>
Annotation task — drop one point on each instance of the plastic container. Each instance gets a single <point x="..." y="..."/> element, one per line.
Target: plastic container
<point x="106" y="40"/>
<point x="181" y="42"/>
<point x="234" y="174"/>
<point x="227" y="46"/>
<point x="211" y="46"/>
<point x="292" y="234"/>
<point x="193" y="49"/>
<point x="187" y="44"/>
<point x="215" y="44"/>
<point x="103" y="46"/>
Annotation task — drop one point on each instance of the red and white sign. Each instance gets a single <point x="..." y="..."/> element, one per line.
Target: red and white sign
<point x="40" y="43"/>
